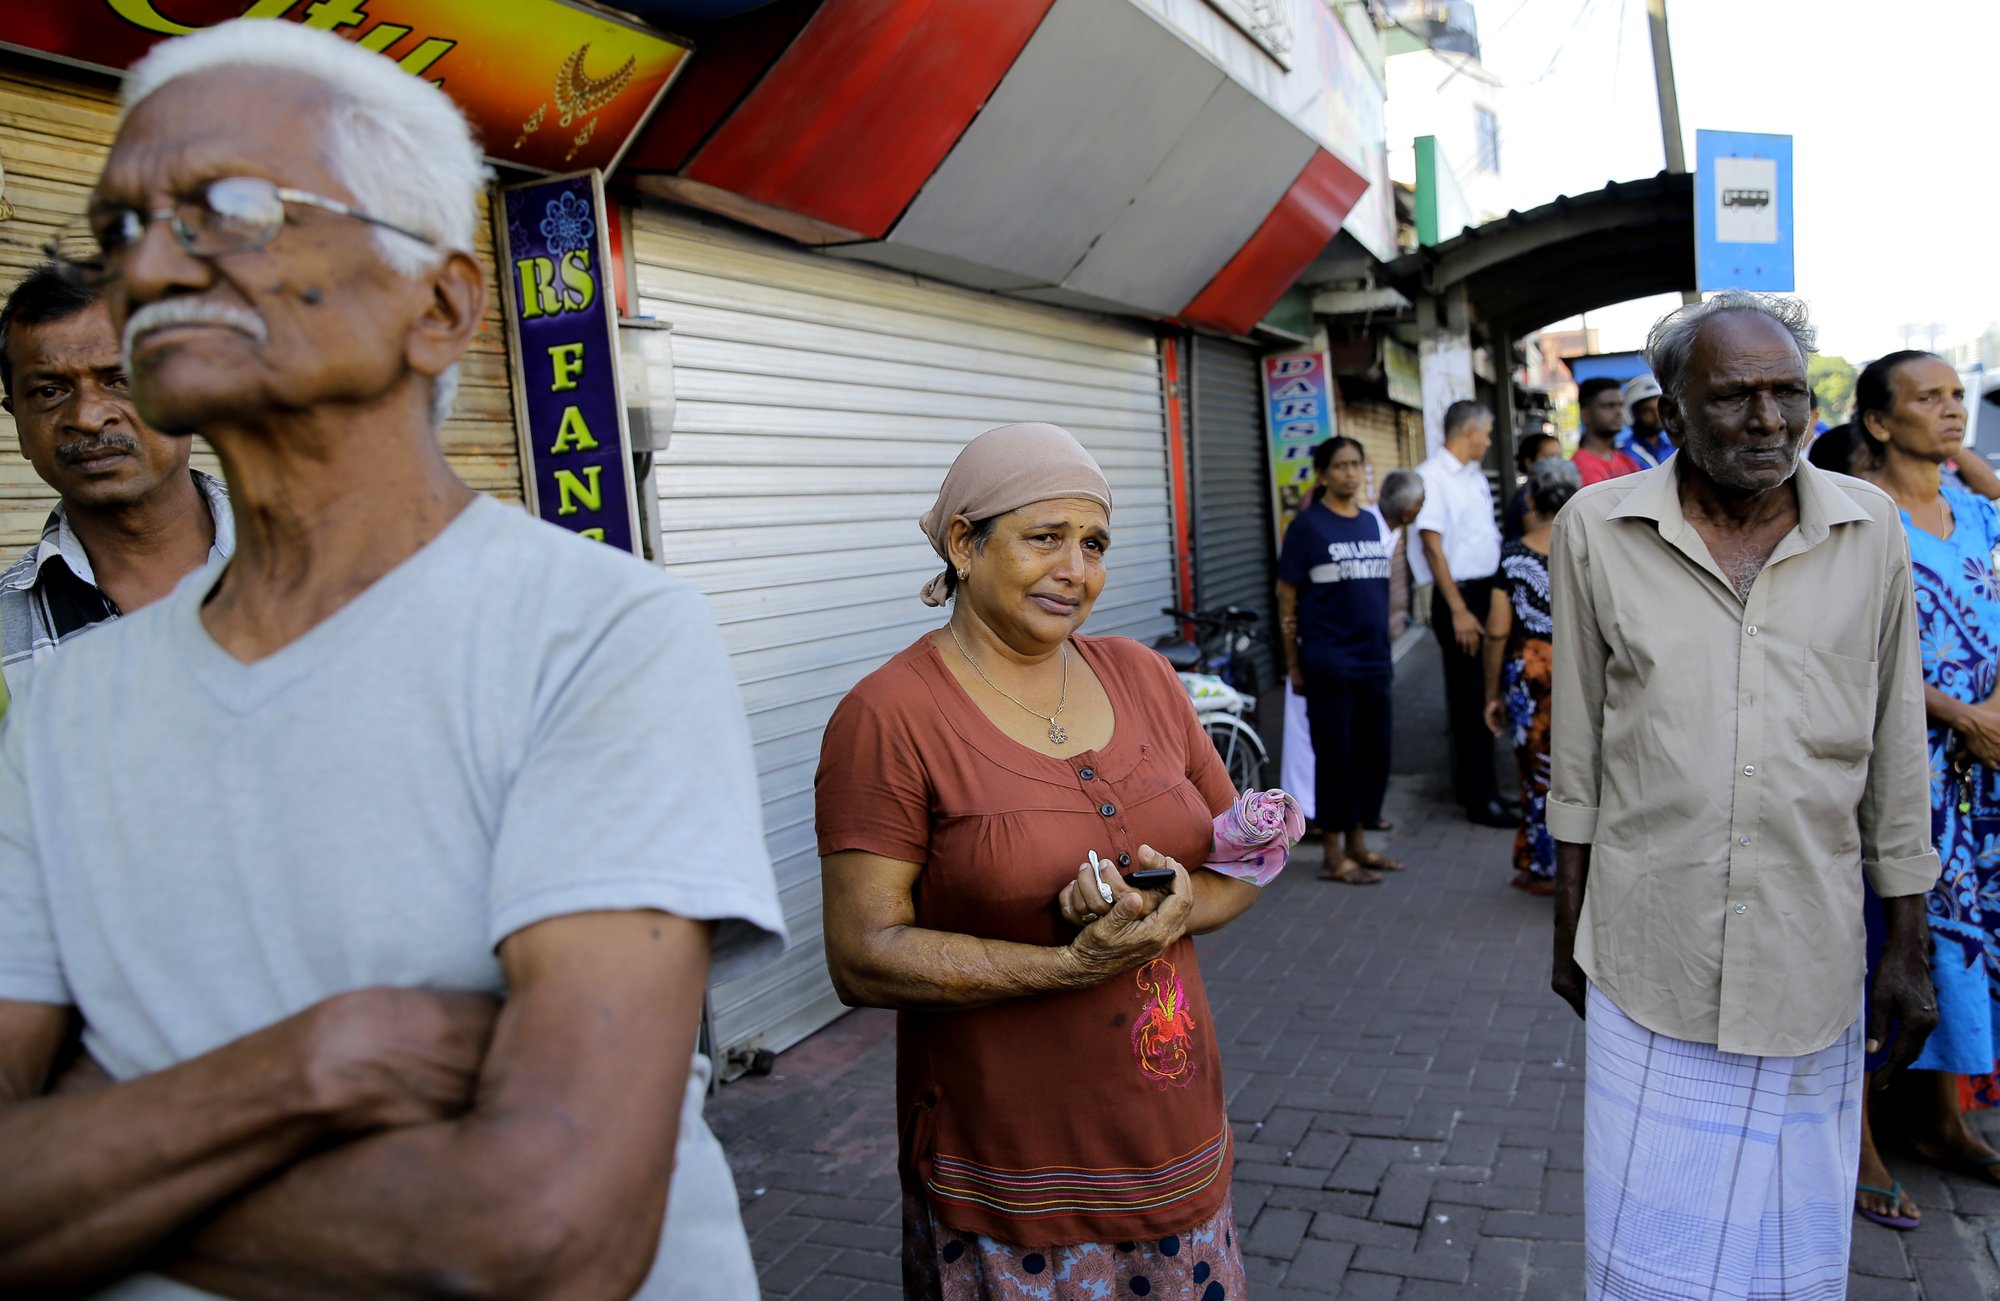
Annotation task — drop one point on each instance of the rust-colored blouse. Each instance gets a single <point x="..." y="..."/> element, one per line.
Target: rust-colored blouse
<point x="1089" y="1116"/>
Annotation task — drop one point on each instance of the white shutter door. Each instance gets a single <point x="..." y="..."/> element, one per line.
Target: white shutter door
<point x="819" y="405"/>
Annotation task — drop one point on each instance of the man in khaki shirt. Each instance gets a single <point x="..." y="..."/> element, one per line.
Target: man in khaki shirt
<point x="1738" y="740"/>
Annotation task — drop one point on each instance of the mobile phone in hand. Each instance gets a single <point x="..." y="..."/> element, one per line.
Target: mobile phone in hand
<point x="1148" y="877"/>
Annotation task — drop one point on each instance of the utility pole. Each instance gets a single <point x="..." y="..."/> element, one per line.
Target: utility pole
<point x="1670" y="105"/>
<point x="1663" y="78"/>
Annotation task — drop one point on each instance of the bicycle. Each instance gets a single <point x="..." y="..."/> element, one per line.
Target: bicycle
<point x="1220" y="706"/>
<point x="1223" y="639"/>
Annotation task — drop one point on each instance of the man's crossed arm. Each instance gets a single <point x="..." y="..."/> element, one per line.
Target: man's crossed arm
<point x="383" y="1143"/>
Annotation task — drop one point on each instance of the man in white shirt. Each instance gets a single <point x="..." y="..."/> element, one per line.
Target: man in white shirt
<point x="1458" y="556"/>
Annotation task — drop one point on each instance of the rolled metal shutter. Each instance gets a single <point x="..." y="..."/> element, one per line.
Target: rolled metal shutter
<point x="819" y="404"/>
<point x="58" y="132"/>
<point x="1235" y="546"/>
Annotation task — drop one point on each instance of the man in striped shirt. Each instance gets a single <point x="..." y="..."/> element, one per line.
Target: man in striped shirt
<point x="134" y="518"/>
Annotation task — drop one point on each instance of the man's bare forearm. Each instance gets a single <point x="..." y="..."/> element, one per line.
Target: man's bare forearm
<point x="419" y="1211"/>
<point x="1907" y="929"/>
<point x="553" y="1185"/>
<point x="1495" y="650"/>
<point x="95" y="1180"/>
<point x="1902" y="991"/>
<point x="1572" y="871"/>
<point x="1441" y="573"/>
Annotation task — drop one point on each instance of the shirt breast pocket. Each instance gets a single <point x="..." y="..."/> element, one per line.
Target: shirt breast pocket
<point x="1838" y="713"/>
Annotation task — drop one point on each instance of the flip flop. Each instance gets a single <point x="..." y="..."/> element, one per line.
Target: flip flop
<point x="1894" y="1192"/>
<point x="1380" y="862"/>
<point x="1349" y="873"/>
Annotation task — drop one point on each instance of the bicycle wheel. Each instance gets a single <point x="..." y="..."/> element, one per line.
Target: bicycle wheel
<point x="1242" y="753"/>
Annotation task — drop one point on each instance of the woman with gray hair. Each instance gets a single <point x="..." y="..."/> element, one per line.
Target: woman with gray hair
<point x="1519" y="664"/>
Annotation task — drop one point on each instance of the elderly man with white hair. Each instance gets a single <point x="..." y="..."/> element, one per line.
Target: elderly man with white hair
<point x="382" y="868"/>
<point x="1738" y="739"/>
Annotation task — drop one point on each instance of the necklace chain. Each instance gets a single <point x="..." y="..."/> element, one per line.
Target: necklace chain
<point x="1058" y="734"/>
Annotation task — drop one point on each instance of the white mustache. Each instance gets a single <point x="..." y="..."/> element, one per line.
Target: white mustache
<point x="190" y="311"/>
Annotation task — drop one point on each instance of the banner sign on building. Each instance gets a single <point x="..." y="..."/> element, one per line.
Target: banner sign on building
<point x="1402" y="373"/>
<point x="576" y="457"/>
<point x="1298" y="411"/>
<point x="548" y="85"/>
<point x="1442" y="211"/>
<point x="1743" y="211"/>
<point x="1348" y="115"/>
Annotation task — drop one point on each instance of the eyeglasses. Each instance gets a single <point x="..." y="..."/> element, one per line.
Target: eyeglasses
<point x="235" y="214"/>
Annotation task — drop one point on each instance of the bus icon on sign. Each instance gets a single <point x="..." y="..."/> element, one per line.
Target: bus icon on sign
<point x="1746" y="198"/>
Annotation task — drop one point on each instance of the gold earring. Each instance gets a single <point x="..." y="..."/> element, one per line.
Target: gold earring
<point x="963" y="574"/>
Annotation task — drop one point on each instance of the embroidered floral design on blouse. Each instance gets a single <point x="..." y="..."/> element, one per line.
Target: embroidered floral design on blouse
<point x="1164" y="1032"/>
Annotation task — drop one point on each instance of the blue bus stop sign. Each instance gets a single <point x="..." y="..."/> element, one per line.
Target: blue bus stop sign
<point x="1743" y="212"/>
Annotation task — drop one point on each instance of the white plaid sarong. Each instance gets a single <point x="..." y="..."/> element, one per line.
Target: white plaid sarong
<point x="1716" y="1175"/>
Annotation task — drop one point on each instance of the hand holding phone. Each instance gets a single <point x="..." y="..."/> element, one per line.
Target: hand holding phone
<point x="1137" y="927"/>
<point x="1097" y="890"/>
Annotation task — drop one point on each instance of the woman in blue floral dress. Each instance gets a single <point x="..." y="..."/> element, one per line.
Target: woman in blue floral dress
<point x="1910" y="406"/>
<point x="1519" y="663"/>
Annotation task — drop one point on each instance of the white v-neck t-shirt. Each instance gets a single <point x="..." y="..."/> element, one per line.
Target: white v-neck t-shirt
<point x="512" y="725"/>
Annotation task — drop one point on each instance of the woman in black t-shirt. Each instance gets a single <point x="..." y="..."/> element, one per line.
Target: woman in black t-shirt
<point x="1333" y="611"/>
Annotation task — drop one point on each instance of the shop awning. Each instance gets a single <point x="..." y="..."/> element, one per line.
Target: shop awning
<point x="1577" y="254"/>
<point x="1082" y="153"/>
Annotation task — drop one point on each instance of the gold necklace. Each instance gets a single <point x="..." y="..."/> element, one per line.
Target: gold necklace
<point x="1058" y="734"/>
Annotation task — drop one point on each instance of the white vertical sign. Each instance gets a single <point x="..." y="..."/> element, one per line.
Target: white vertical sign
<point x="1746" y="200"/>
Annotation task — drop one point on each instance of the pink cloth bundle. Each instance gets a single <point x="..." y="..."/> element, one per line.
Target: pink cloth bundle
<point x="1254" y="836"/>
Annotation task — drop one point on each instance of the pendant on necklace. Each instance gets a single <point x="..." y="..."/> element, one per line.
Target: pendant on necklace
<point x="1058" y="734"/>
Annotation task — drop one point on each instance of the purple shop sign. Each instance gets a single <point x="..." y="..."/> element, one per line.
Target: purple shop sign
<point x="561" y="316"/>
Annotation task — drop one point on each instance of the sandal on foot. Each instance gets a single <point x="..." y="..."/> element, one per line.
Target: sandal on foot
<point x="1349" y="872"/>
<point x="1539" y="886"/>
<point x="1894" y="1192"/>
<point x="1379" y="861"/>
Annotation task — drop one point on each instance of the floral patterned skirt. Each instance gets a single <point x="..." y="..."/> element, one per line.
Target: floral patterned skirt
<point x="1964" y="914"/>
<point x="1204" y="1263"/>
<point x="1526" y="680"/>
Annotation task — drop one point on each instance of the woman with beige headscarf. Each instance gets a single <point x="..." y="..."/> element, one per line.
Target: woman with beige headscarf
<point x="982" y="800"/>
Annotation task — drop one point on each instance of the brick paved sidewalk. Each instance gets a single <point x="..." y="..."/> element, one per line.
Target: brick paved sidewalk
<point x="1407" y="1096"/>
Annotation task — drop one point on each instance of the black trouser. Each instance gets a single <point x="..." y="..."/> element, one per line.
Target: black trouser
<point x="1472" y="783"/>
<point x="1349" y="721"/>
